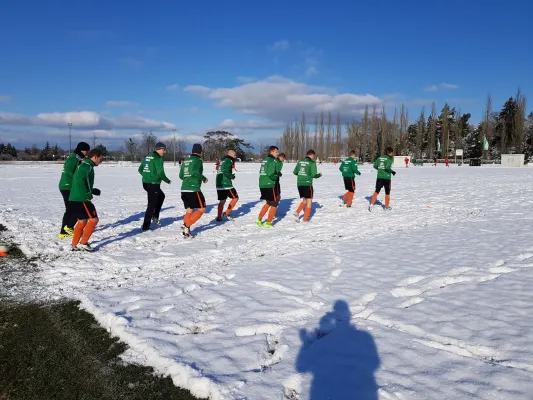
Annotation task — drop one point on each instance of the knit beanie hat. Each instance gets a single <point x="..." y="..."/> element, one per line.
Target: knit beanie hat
<point x="197" y="148"/>
<point x="160" y="146"/>
<point x="82" y="146"/>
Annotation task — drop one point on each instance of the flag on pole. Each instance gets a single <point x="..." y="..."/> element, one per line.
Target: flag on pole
<point x="485" y="143"/>
<point x="438" y="145"/>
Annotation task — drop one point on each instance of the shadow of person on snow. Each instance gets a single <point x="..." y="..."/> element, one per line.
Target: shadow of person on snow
<point x="342" y="358"/>
<point x="243" y="209"/>
<point x="284" y="208"/>
<point x="125" y="221"/>
<point x="378" y="202"/>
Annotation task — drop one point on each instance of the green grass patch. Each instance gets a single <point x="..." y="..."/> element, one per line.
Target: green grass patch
<point x="60" y="352"/>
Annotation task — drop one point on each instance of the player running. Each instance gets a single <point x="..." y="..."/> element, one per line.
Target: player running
<point x="279" y="166"/>
<point x="80" y="205"/>
<point x="153" y="172"/>
<point x="225" y="189"/>
<point x="268" y="176"/>
<point x="406" y="162"/>
<point x="349" y="169"/>
<point x="191" y="173"/>
<point x="306" y="171"/>
<point x="384" y="166"/>
<point x="65" y="185"/>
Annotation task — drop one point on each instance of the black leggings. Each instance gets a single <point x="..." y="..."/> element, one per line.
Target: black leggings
<point x="383" y="183"/>
<point x="156" y="198"/>
<point x="67" y="219"/>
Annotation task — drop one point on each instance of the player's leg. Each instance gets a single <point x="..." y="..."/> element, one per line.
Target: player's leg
<point x="350" y="192"/>
<point x="387" y="186"/>
<point x="308" y="204"/>
<point x="222" y="195"/>
<point x="234" y="199"/>
<point x="159" y="204"/>
<point x="152" y="194"/>
<point x="66" y="218"/>
<point x="199" y="204"/>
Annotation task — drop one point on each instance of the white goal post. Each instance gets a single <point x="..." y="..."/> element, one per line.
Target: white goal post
<point x="399" y="161"/>
<point x="513" y="160"/>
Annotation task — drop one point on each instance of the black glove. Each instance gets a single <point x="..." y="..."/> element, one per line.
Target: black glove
<point x="279" y="174"/>
<point x="96" y="192"/>
<point x="393" y="172"/>
<point x="233" y="176"/>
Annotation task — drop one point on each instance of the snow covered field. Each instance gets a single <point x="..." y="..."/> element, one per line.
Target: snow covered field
<point x="429" y="301"/>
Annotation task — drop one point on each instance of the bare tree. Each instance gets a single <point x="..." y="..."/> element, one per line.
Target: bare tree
<point x="329" y="133"/>
<point x="404" y="127"/>
<point x="420" y="132"/>
<point x="149" y="141"/>
<point x="384" y="128"/>
<point x="304" y="135"/>
<point x="365" y="134"/>
<point x="519" y="122"/>
<point x="374" y="128"/>
<point x="445" y="131"/>
<point x="95" y="138"/>
<point x="432" y="146"/>
<point x="315" y="136"/>
<point x="321" y="149"/>
<point x="338" y="136"/>
<point x="396" y="137"/>
<point x="487" y="123"/>
<point x="131" y="148"/>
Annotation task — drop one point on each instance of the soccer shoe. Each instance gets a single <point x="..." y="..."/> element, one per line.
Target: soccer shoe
<point x="186" y="231"/>
<point x="268" y="225"/>
<point x="74" y="248"/>
<point x="68" y="231"/>
<point x="156" y="221"/>
<point x="370" y="208"/>
<point x="227" y="217"/>
<point x="259" y="222"/>
<point x="62" y="235"/>
<point x="85" y="247"/>
<point x="387" y="209"/>
<point x="218" y="219"/>
<point x="296" y="217"/>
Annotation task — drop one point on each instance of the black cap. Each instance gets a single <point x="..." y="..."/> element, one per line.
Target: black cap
<point x="197" y="148"/>
<point x="82" y="146"/>
<point x="160" y="146"/>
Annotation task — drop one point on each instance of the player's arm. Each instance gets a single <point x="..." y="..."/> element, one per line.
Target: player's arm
<point x="355" y="168"/>
<point x="270" y="170"/>
<point x="376" y="164"/>
<point x="160" y="170"/>
<point x="296" y="169"/>
<point x="314" y="171"/>
<point x="70" y="167"/>
<point x="141" y="167"/>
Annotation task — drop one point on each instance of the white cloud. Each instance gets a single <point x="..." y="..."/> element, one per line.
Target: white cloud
<point x="280" y="45"/>
<point x="280" y="99"/>
<point x="173" y="88"/>
<point x="5" y="98"/>
<point x="197" y="89"/>
<point x="84" y="120"/>
<point x="434" y="88"/>
<point x="118" y="103"/>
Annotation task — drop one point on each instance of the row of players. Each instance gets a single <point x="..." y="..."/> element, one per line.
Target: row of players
<point x="77" y="188"/>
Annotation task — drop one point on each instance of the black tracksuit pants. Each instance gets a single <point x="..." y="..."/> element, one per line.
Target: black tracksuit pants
<point x="67" y="220"/>
<point x="156" y="197"/>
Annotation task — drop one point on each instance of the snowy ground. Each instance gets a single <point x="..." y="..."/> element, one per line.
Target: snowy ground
<point x="429" y="301"/>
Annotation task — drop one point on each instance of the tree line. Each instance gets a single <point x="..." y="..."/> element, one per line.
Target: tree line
<point x="435" y="134"/>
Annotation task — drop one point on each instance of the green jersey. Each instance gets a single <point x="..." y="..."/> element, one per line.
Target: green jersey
<point x="267" y="173"/>
<point x="384" y="166"/>
<point x="349" y="168"/>
<point x="69" y="168"/>
<point x="279" y="167"/>
<point x="82" y="182"/>
<point x="152" y="169"/>
<point x="306" y="171"/>
<point x="191" y="173"/>
<point x="225" y="174"/>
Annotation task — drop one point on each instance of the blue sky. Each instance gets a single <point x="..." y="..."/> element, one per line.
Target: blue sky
<point x="116" y="68"/>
